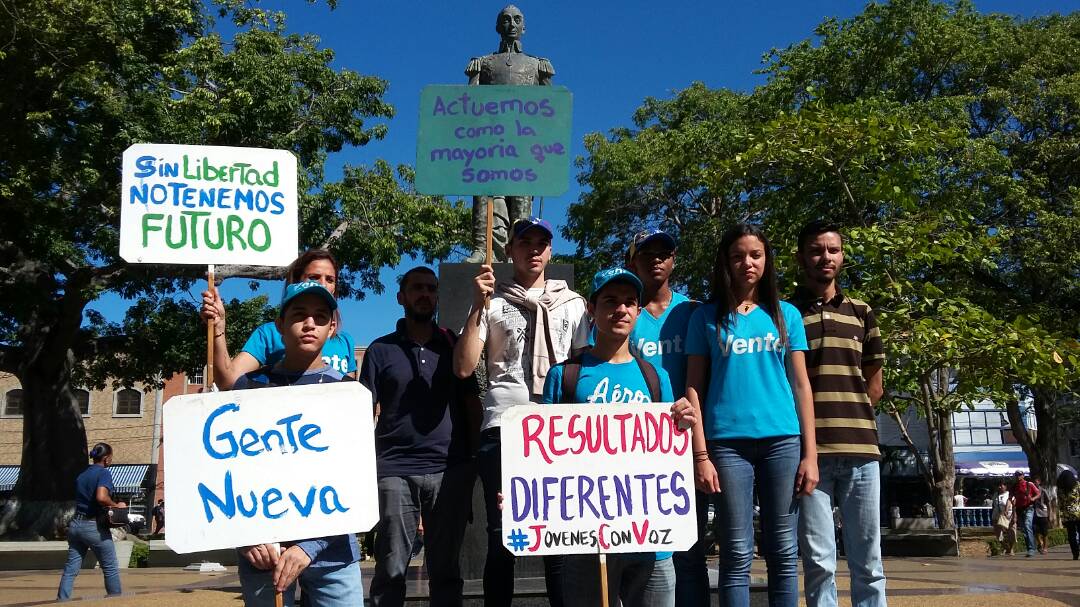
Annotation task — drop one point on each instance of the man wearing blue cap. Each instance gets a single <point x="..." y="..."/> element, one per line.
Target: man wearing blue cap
<point x="530" y="325"/>
<point x="611" y="373"/>
<point x="327" y="568"/>
<point x="660" y="338"/>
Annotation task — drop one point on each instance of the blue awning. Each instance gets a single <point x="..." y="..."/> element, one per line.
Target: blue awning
<point x="9" y="475"/>
<point x="990" y="463"/>
<point x="128" y="478"/>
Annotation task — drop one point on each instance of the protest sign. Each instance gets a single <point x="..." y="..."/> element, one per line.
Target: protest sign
<point x="262" y="466"/>
<point x="494" y="140"/>
<point x="196" y="204"/>
<point x="583" y="479"/>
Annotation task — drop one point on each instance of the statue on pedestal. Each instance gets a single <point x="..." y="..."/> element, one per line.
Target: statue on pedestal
<point x="507" y="66"/>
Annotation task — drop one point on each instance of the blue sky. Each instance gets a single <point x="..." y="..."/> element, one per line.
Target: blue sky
<point x="610" y="54"/>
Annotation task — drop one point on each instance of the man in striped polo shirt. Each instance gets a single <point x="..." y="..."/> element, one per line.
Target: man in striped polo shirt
<point x="844" y="363"/>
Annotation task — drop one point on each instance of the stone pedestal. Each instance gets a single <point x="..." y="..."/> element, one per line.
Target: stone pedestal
<point x="455" y="299"/>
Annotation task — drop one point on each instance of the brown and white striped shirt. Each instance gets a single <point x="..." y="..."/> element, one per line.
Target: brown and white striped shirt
<point x="843" y="337"/>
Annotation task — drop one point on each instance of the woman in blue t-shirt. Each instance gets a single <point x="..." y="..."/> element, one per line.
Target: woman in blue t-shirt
<point x="745" y="371"/>
<point x="93" y="489"/>
<point x="265" y="347"/>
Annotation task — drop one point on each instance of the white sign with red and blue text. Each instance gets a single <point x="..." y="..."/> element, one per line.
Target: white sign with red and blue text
<point x="590" y="478"/>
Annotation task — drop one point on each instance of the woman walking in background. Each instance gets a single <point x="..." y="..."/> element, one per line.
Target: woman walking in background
<point x="746" y="375"/>
<point x="93" y="488"/>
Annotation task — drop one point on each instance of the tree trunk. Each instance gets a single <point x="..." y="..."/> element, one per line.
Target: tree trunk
<point x="943" y="465"/>
<point x="54" y="438"/>
<point x="1040" y="446"/>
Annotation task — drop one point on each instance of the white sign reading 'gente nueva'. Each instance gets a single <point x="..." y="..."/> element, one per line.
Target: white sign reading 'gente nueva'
<point x="260" y="466"/>
<point x="194" y="204"/>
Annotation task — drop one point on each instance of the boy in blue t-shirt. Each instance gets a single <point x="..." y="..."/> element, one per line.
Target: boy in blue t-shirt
<point x="609" y="373"/>
<point x="327" y="567"/>
<point x="660" y="338"/>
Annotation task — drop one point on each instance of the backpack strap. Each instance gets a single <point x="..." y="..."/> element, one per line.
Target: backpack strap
<point x="571" y="372"/>
<point x="648" y="371"/>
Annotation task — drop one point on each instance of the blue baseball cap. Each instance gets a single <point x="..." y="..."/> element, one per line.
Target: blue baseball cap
<point x="646" y="236"/>
<point x="521" y="225"/>
<point x="605" y="277"/>
<point x="303" y="288"/>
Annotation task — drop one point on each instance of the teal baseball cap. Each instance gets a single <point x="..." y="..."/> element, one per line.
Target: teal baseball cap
<point x="303" y="288"/>
<point x="605" y="277"/>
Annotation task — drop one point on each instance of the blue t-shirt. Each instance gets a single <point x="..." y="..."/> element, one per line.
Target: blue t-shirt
<point x="86" y="486"/>
<point x="330" y="551"/>
<point x="749" y="395"/>
<point x="266" y="346"/>
<point x="662" y="340"/>
<point x="607" y="382"/>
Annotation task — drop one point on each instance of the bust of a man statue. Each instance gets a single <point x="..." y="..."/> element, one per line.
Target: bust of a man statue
<point x="507" y="66"/>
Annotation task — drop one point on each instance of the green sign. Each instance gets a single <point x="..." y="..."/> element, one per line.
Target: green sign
<point x="491" y="140"/>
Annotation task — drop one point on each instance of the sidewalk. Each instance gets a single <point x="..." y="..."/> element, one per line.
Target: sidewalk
<point x="1044" y="581"/>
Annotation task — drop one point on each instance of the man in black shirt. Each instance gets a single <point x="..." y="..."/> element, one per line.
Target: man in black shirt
<point x="424" y="461"/>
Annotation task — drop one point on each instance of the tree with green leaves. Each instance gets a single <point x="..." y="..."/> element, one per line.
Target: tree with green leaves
<point x="85" y="79"/>
<point x="944" y="140"/>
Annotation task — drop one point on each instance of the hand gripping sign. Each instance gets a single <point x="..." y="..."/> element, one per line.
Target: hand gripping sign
<point x="262" y="466"/>
<point x="583" y="479"/>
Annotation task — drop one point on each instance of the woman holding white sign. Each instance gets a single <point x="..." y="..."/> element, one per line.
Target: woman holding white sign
<point x="265" y="347"/>
<point x="746" y="374"/>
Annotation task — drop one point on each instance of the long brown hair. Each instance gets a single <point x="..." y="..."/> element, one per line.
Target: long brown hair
<point x="295" y="272"/>
<point x="723" y="294"/>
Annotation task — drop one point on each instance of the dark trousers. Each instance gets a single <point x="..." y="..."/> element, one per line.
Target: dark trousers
<point x="499" y="567"/>
<point x="1072" y="530"/>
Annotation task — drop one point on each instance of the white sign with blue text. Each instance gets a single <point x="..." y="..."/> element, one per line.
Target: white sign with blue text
<point x="262" y="466"/>
<point x="200" y="204"/>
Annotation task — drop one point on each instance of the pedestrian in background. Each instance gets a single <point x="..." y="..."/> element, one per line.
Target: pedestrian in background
<point x="1003" y="513"/>
<point x="93" y="495"/>
<point x="1025" y="494"/>
<point x="1069" y="507"/>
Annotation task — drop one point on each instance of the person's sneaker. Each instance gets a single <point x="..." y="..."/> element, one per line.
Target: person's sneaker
<point x="1030" y="554"/>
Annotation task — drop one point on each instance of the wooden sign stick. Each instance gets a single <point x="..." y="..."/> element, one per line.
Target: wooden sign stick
<point x="210" y="329"/>
<point x="603" y="580"/>
<point x="278" y="599"/>
<point x="488" y="259"/>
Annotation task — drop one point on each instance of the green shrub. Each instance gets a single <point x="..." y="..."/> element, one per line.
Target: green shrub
<point x="140" y="555"/>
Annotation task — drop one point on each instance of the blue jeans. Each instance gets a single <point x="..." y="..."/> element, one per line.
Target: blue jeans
<point x="443" y="500"/>
<point x="499" y="566"/>
<point x="769" y="465"/>
<point x="1025" y="519"/>
<point x="338" y="586"/>
<point x="854" y="486"/>
<point x="636" y="580"/>
<point x="691" y="573"/>
<point x="85" y="535"/>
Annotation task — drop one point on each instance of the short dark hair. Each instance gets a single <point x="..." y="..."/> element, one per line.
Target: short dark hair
<point x="100" y="451"/>
<point x="816" y="228"/>
<point x="295" y="273"/>
<point x="404" y="280"/>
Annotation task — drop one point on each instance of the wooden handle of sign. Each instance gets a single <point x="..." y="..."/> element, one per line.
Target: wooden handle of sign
<point x="489" y="255"/>
<point x="210" y="328"/>
<point x="603" y="581"/>
<point x="278" y="599"/>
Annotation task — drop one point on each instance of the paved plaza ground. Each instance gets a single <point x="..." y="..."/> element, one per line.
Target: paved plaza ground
<point x="1051" y="580"/>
